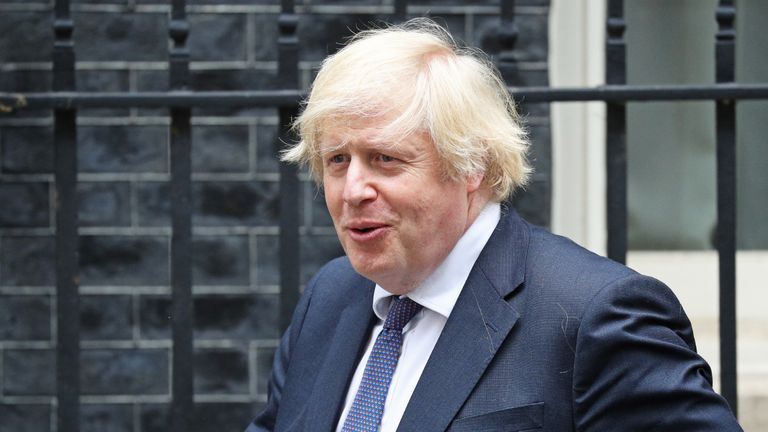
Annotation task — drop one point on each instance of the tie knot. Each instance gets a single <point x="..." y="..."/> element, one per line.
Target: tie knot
<point x="401" y="310"/>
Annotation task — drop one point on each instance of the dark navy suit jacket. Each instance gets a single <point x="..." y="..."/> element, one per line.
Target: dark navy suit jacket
<point x="544" y="336"/>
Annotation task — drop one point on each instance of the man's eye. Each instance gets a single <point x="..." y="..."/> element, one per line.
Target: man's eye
<point x="337" y="159"/>
<point x="385" y="158"/>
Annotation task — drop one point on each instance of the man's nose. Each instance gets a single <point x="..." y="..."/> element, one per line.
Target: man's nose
<point x="358" y="186"/>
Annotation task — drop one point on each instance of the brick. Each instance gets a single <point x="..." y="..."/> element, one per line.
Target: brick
<point x="316" y="250"/>
<point x="29" y="372"/>
<point x="347" y="2"/>
<point x="26" y="150"/>
<point x="468" y="3"/>
<point x="104" y="204"/>
<point x="123" y="149"/>
<point x="455" y="2"/>
<point x="105" y="317"/>
<point x="124" y="371"/>
<point x="220" y="149"/>
<point x="27" y="36"/>
<point x="27" y="261"/>
<point x="217" y="417"/>
<point x="214" y="2"/>
<point x="541" y="149"/>
<point x="207" y="417"/>
<point x="151" y="80"/>
<point x="236" y="203"/>
<point x="106" y="418"/>
<point x="234" y="80"/>
<point x="526" y="77"/>
<point x="252" y="316"/>
<point x="533" y="109"/>
<point x="221" y="260"/>
<point x="122" y="260"/>
<point x="102" y="81"/>
<point x="25" y="318"/>
<point x="216" y="37"/>
<point x="266" y="153"/>
<point x="100" y="1"/>
<point x="318" y="208"/>
<point x="25" y="418"/>
<point x="213" y="80"/>
<point x="267" y="260"/>
<point x="221" y="371"/>
<point x="24" y="205"/>
<point x="264" y="358"/>
<point x="153" y="204"/>
<point x="124" y="36"/>
<point x="225" y="203"/>
<point x="531" y="44"/>
<point x="533" y="202"/>
<point x="321" y="35"/>
<point x="155" y="417"/>
<point x="266" y="37"/>
<point x="24" y="81"/>
<point x="455" y="24"/>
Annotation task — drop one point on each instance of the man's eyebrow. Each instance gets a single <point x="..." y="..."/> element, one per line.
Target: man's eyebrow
<point x="376" y="145"/>
<point x="326" y="149"/>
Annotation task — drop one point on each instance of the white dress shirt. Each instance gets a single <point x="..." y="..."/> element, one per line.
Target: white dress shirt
<point x="437" y="294"/>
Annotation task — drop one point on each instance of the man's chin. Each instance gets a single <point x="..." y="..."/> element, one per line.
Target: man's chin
<point x="370" y="267"/>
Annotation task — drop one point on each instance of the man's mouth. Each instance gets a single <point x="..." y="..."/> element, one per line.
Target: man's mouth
<point x="366" y="231"/>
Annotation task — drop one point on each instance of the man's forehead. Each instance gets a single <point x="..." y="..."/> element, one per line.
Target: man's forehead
<point x="374" y="137"/>
<point x="344" y="125"/>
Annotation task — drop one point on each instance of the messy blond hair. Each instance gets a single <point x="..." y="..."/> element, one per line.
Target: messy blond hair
<point x="416" y="76"/>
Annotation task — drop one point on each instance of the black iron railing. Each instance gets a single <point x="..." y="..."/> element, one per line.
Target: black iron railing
<point x="182" y="372"/>
<point x="67" y="239"/>
<point x="725" y="55"/>
<point x="64" y="100"/>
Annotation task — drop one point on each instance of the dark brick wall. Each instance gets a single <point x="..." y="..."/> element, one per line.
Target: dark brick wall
<point x="121" y="45"/>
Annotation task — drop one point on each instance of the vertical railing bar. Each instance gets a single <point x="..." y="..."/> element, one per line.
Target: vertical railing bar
<point x="508" y="33"/>
<point x="401" y="11"/>
<point x="616" y="135"/>
<point x="182" y="377"/>
<point x="505" y="59"/>
<point x="726" y="200"/>
<point x="289" y="241"/>
<point x="67" y="240"/>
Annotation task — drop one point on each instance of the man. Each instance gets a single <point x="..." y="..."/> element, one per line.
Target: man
<point x="450" y="312"/>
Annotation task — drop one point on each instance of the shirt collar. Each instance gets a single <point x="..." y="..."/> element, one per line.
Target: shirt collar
<point x="440" y="290"/>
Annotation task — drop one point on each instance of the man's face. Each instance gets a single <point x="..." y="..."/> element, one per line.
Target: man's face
<point x="395" y="213"/>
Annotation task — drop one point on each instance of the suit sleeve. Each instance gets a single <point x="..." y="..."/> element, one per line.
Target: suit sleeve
<point x="265" y="421"/>
<point x="636" y="365"/>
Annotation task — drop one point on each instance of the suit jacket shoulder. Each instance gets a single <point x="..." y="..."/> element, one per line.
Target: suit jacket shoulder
<point x="545" y="335"/>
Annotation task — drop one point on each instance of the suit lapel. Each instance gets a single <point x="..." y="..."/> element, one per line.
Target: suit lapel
<point x="479" y="323"/>
<point x="348" y="343"/>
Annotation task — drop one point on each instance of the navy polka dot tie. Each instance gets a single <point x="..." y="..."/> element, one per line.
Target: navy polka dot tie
<point x="368" y="406"/>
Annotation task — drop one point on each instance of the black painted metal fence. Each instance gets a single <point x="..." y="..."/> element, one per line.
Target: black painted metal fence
<point x="64" y="100"/>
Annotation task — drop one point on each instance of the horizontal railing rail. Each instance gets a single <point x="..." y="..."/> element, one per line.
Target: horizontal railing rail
<point x="286" y="98"/>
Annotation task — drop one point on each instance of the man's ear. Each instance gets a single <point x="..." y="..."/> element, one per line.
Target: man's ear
<point x="474" y="182"/>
